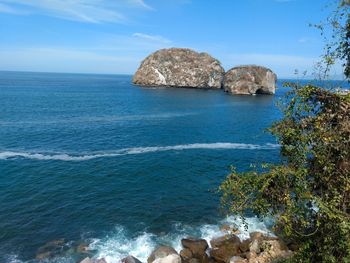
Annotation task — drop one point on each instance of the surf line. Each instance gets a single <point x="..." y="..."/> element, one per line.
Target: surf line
<point x="7" y="155"/>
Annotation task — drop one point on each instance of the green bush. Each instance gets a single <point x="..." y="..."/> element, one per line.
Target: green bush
<point x="308" y="193"/>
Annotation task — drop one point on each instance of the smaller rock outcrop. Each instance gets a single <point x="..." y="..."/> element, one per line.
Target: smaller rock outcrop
<point x="250" y="80"/>
<point x="259" y="248"/>
<point x="180" y="67"/>
<point x="130" y="259"/>
<point x="89" y="260"/>
<point x="194" y="250"/>
<point x="164" y="254"/>
<point x="224" y="248"/>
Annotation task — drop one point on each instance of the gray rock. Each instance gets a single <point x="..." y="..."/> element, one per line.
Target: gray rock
<point x="224" y="248"/>
<point x="130" y="259"/>
<point x="173" y="258"/>
<point x="197" y="246"/>
<point x="180" y="67"/>
<point x="186" y="254"/>
<point x="161" y="252"/>
<point x="87" y="260"/>
<point x="237" y="259"/>
<point x="249" y="80"/>
<point x="255" y="246"/>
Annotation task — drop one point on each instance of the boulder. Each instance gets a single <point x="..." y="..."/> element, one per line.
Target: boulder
<point x="51" y="249"/>
<point x="197" y="246"/>
<point x="237" y="259"/>
<point x="186" y="254"/>
<point x="130" y="259"/>
<point x="194" y="250"/>
<point x="224" y="248"/>
<point x="162" y="252"/>
<point x="180" y="67"/>
<point x="244" y="246"/>
<point x="227" y="239"/>
<point x="272" y="250"/>
<point x="250" y="80"/>
<point x="87" y="260"/>
<point x="173" y="258"/>
<point x="254" y="246"/>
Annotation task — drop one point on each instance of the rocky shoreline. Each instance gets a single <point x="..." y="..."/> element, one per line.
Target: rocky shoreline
<point x="229" y="248"/>
<point x="186" y="68"/>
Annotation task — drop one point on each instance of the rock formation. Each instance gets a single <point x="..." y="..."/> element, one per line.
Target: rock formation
<point x="258" y="248"/>
<point x="164" y="254"/>
<point x="180" y="67"/>
<point x="250" y="80"/>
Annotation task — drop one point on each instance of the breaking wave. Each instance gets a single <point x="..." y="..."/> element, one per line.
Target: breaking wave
<point x="6" y="155"/>
<point x="118" y="245"/>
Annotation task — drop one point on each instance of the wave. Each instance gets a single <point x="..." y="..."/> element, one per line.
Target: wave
<point x="6" y="155"/>
<point x="118" y="245"/>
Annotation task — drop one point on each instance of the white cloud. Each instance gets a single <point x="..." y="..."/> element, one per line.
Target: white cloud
<point x="140" y="3"/>
<point x="154" y="38"/>
<point x="90" y="11"/>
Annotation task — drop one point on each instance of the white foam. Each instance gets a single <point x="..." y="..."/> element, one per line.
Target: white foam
<point x="6" y="155"/>
<point x="117" y="246"/>
<point x="119" y="243"/>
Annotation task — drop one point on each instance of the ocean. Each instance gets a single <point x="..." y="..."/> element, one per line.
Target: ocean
<point x="92" y="160"/>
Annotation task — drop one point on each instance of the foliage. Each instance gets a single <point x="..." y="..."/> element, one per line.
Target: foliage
<point x="336" y="33"/>
<point x="308" y="194"/>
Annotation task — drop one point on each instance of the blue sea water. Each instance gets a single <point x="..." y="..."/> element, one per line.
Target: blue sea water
<point x="94" y="159"/>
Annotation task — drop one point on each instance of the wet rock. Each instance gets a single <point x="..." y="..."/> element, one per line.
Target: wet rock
<point x="224" y="248"/>
<point x="227" y="239"/>
<point x="229" y="229"/>
<point x="87" y="260"/>
<point x="237" y="259"/>
<point x="43" y="255"/>
<point x="83" y="248"/>
<point x="173" y="258"/>
<point x="250" y="80"/>
<point x="101" y="260"/>
<point x="51" y="249"/>
<point x="186" y="254"/>
<point x="196" y="246"/>
<point x="180" y="67"/>
<point x="162" y="252"/>
<point x="272" y="250"/>
<point x="130" y="259"/>
<point x="254" y="246"/>
<point x="256" y="235"/>
<point x="194" y="250"/>
<point x="244" y="246"/>
<point x="225" y="228"/>
<point x="250" y="256"/>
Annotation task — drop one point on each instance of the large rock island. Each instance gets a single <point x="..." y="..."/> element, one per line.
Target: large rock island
<point x="180" y="67"/>
<point x="250" y="80"/>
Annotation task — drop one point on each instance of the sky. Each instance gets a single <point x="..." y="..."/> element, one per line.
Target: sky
<point x="114" y="36"/>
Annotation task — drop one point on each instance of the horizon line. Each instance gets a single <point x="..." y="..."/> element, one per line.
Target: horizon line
<point x="130" y="74"/>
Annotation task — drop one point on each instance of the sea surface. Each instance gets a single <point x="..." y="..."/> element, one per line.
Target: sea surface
<point x="92" y="160"/>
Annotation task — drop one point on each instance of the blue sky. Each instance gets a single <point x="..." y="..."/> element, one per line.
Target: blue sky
<point x="113" y="36"/>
